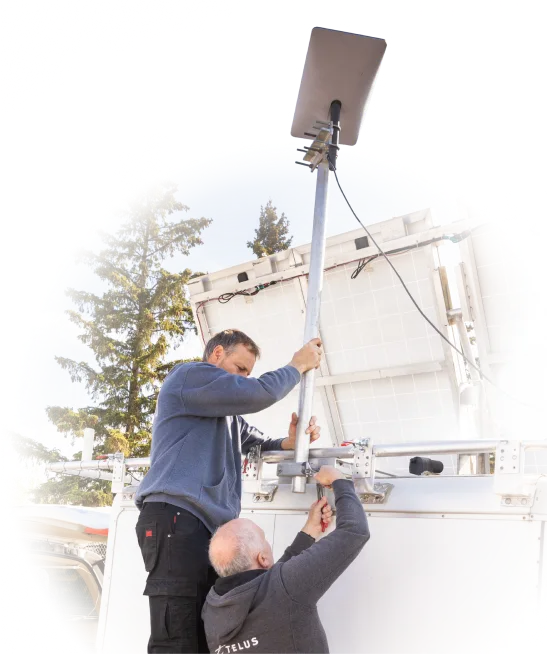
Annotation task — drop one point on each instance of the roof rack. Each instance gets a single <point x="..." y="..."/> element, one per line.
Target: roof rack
<point x="510" y="480"/>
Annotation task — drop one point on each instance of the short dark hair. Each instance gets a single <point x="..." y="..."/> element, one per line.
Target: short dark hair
<point x="230" y="339"/>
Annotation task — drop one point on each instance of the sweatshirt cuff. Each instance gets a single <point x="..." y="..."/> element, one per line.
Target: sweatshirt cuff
<point x="294" y="372"/>
<point x="341" y="485"/>
<point x="302" y="542"/>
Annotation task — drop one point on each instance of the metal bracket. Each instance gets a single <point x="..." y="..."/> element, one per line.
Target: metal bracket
<point x="509" y="479"/>
<point x="118" y="472"/>
<point x="251" y="469"/>
<point x="517" y="500"/>
<point x="379" y="496"/>
<point x="319" y="148"/>
<point x="363" y="466"/>
<point x="128" y="496"/>
<point x="266" y="493"/>
<point x="251" y="475"/>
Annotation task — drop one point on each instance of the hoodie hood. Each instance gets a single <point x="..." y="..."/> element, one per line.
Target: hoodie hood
<point x="228" y="611"/>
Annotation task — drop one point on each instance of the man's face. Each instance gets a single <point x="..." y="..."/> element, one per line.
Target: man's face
<point x="240" y="361"/>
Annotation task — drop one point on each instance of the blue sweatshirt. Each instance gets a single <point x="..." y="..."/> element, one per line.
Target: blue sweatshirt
<point x="198" y="438"/>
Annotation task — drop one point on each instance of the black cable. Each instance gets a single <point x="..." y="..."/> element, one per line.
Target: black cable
<point x="333" y="168"/>
<point x="226" y="297"/>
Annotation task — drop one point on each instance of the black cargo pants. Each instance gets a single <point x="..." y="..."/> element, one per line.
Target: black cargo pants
<point x="174" y="546"/>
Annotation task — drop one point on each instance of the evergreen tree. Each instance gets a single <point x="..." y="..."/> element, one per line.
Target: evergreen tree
<point x="130" y="329"/>
<point x="271" y="235"/>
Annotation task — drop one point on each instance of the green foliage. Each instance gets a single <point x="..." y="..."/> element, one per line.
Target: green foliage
<point x="130" y="328"/>
<point x="271" y="235"/>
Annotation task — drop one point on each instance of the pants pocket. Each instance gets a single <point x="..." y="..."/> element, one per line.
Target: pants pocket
<point x="173" y="621"/>
<point x="147" y="535"/>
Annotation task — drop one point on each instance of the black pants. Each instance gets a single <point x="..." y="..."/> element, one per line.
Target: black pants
<point x="174" y="546"/>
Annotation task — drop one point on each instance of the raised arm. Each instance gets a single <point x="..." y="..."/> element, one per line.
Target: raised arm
<point x="211" y="392"/>
<point x="309" y="575"/>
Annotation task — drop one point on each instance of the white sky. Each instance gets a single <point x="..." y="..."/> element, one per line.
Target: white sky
<point x="100" y="99"/>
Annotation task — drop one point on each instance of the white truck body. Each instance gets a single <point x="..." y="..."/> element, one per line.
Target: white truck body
<point x="455" y="562"/>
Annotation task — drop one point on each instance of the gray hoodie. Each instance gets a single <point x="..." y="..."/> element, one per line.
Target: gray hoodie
<point x="275" y="610"/>
<point x="198" y="437"/>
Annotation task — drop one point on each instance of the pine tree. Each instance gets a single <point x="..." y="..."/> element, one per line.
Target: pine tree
<point x="130" y="328"/>
<point x="271" y="235"/>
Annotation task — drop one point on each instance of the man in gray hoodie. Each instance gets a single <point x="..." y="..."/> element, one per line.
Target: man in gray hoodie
<point x="260" y="606"/>
<point x="194" y="482"/>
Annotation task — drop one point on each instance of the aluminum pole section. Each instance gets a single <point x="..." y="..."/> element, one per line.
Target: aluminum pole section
<point x="311" y="328"/>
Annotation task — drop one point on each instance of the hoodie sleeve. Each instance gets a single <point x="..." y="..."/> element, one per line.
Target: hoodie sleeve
<point x="309" y="575"/>
<point x="252" y="436"/>
<point x="299" y="544"/>
<point x="210" y="392"/>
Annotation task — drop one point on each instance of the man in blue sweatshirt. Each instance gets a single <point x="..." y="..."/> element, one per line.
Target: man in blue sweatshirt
<point x="262" y="606"/>
<point x="194" y="482"/>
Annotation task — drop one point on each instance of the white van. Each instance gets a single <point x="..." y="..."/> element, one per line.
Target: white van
<point x="456" y="560"/>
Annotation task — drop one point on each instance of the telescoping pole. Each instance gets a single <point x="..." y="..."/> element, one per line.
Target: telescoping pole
<point x="313" y="302"/>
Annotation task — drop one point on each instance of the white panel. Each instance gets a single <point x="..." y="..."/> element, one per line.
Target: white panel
<point x="510" y="323"/>
<point x="430" y="585"/>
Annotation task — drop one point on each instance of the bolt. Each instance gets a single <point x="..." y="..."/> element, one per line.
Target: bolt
<point x="514" y="457"/>
<point x="501" y="467"/>
<point x="502" y="451"/>
<point x="501" y="458"/>
<point x="507" y="500"/>
<point x="523" y="501"/>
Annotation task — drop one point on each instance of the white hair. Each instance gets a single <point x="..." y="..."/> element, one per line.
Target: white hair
<point x="234" y="547"/>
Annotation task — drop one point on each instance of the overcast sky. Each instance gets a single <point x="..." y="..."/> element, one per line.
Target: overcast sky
<point x="101" y="99"/>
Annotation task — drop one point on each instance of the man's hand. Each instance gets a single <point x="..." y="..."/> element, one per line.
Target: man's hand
<point x="319" y="511"/>
<point x="327" y="475"/>
<point x="314" y="430"/>
<point x="308" y="357"/>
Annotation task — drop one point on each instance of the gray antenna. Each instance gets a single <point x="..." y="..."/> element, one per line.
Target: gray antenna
<point x="338" y="75"/>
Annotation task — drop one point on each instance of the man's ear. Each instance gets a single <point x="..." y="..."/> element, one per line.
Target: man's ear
<point x="263" y="561"/>
<point x="216" y="354"/>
